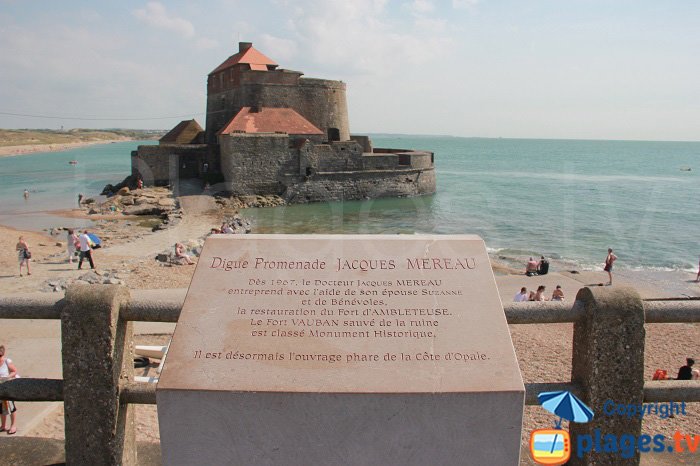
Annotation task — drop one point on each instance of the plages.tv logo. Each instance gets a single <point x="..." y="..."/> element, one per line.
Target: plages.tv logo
<point x="553" y="446"/>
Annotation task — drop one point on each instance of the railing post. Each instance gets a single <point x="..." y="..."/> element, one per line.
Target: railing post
<point x="97" y="362"/>
<point x="608" y="363"/>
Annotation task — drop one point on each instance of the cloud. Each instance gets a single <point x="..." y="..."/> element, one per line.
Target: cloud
<point x="464" y="4"/>
<point x="156" y="15"/>
<point x="360" y="37"/>
<point x="421" y="7"/>
<point x="204" y="43"/>
<point x="284" y="49"/>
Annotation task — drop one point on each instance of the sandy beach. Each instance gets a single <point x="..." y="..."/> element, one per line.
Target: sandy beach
<point x="11" y="151"/>
<point x="544" y="351"/>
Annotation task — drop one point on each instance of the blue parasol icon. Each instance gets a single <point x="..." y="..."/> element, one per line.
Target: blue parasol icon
<point x="565" y="405"/>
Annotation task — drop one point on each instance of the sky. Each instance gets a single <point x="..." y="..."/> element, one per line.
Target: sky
<point x="569" y="69"/>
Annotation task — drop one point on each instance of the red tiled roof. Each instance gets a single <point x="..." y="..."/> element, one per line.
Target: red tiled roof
<point x="269" y="120"/>
<point x="252" y="57"/>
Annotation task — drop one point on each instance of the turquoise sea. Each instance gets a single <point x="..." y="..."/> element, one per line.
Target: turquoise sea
<point x="566" y="199"/>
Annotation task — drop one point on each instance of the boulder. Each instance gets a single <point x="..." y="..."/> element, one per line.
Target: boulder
<point x="123" y="191"/>
<point x="143" y="210"/>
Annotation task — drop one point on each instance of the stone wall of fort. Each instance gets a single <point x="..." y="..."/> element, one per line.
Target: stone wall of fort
<point x="309" y="172"/>
<point x="159" y="165"/>
<point x="361" y="185"/>
<point x="322" y="102"/>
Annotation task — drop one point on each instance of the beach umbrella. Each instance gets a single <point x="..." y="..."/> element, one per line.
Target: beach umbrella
<point x="95" y="241"/>
<point x="565" y="405"/>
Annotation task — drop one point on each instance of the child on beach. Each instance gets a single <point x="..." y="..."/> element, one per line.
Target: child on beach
<point x="23" y="255"/>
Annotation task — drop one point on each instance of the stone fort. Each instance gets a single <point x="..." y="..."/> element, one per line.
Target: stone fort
<point x="271" y="131"/>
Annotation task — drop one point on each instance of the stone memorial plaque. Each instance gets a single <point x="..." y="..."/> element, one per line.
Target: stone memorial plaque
<point x="330" y="349"/>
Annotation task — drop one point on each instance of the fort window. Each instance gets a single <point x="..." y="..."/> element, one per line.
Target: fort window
<point x="404" y="159"/>
<point x="333" y="134"/>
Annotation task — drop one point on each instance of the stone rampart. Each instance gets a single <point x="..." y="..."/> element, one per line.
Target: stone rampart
<point x="351" y="185"/>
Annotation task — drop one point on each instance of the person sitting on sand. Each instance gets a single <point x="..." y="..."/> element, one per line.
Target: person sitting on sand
<point x="531" y="267"/>
<point x="687" y="372"/>
<point x="522" y="296"/>
<point x="539" y="296"/>
<point x="180" y="253"/>
<point x="558" y="294"/>
<point x="543" y="266"/>
<point x="226" y="228"/>
<point x="23" y="255"/>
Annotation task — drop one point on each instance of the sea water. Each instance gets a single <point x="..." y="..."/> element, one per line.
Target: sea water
<point x="54" y="184"/>
<point x="568" y="200"/>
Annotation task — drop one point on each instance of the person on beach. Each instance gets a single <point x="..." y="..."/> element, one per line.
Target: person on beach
<point x="697" y="279"/>
<point x="85" y="250"/>
<point x="521" y="296"/>
<point x="7" y="370"/>
<point x="226" y="228"/>
<point x="539" y="296"/>
<point x="609" y="261"/>
<point x="531" y="267"/>
<point x="543" y="266"/>
<point x="558" y="294"/>
<point x="687" y="372"/>
<point x="26" y="194"/>
<point x="180" y="253"/>
<point x="80" y="199"/>
<point x="23" y="255"/>
<point x="72" y="244"/>
<point x="139" y="184"/>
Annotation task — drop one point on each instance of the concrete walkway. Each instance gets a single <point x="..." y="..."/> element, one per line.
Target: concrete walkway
<point x="200" y="216"/>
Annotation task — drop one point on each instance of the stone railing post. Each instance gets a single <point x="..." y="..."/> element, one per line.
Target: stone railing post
<point x="608" y="364"/>
<point x="97" y="362"/>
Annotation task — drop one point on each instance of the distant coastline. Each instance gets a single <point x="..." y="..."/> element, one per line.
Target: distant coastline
<point x="12" y="151"/>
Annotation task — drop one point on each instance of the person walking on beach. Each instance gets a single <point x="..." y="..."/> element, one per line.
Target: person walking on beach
<point x="26" y="194"/>
<point x="609" y="261"/>
<point x="522" y="296"/>
<point x="8" y="408"/>
<point x="72" y="243"/>
<point x="23" y="255"/>
<point x="85" y="250"/>
<point x="80" y="199"/>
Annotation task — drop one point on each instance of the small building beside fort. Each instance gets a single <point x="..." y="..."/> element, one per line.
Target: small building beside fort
<point x="271" y="131"/>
